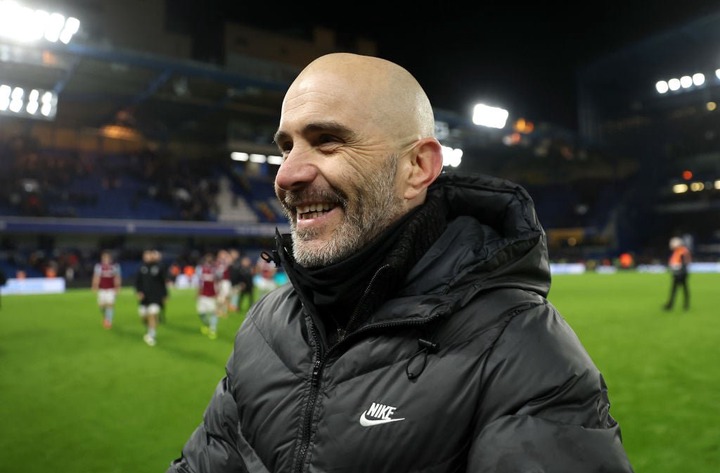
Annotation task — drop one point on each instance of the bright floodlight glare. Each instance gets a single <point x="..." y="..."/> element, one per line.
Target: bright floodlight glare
<point x="24" y="24"/>
<point x="17" y="93"/>
<point x="492" y="117"/>
<point x="54" y="27"/>
<point x="32" y="107"/>
<point x="48" y="109"/>
<point x="72" y="26"/>
<point x="698" y="79"/>
<point x="4" y="97"/>
<point x="238" y="156"/>
<point x="256" y="158"/>
<point x="273" y="159"/>
<point x="674" y="84"/>
<point x="32" y="102"/>
<point x="35" y="22"/>
<point x="679" y="188"/>
<point x="16" y="100"/>
<point x="662" y="86"/>
<point x="686" y="82"/>
<point x="452" y="156"/>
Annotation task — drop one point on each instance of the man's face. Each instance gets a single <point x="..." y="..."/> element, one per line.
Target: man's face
<point x="337" y="183"/>
<point x="350" y="169"/>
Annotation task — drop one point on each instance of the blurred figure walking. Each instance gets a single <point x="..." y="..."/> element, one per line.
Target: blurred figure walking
<point x="245" y="282"/>
<point x="223" y="265"/>
<point x="152" y="292"/>
<point x="678" y="264"/>
<point x="207" y="297"/>
<point x="106" y="282"/>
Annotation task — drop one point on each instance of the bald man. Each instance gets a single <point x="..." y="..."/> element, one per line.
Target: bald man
<point x="415" y="334"/>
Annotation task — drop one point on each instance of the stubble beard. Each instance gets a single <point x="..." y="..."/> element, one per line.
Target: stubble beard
<point x="378" y="207"/>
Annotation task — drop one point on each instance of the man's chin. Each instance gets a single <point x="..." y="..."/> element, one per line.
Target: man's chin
<point x="310" y="253"/>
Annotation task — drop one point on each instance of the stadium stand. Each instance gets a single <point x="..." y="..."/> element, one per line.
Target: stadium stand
<point x="138" y="152"/>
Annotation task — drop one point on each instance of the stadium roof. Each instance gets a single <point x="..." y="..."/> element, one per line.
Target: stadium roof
<point x="160" y="97"/>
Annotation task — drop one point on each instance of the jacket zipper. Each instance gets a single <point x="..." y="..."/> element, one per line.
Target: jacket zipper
<point x="310" y="404"/>
<point x="342" y="332"/>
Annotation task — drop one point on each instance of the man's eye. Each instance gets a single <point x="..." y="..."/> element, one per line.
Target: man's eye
<point x="324" y="139"/>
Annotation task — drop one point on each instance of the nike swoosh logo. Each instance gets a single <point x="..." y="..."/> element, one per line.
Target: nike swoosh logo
<point x="365" y="422"/>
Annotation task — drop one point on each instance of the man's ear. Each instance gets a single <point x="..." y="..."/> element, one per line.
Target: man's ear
<point x="426" y="162"/>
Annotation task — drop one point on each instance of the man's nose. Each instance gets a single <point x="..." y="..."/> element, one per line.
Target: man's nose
<point x="297" y="170"/>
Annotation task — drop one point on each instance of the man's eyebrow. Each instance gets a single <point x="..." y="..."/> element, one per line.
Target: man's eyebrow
<point x="279" y="136"/>
<point x="332" y="127"/>
<point x="328" y="127"/>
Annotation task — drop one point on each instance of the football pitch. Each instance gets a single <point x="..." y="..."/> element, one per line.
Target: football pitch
<point x="77" y="398"/>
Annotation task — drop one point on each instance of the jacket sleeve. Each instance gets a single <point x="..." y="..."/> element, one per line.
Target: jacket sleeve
<point x="545" y="406"/>
<point x="216" y="445"/>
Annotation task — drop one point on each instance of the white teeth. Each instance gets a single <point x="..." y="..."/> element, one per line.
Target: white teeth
<point x="302" y="209"/>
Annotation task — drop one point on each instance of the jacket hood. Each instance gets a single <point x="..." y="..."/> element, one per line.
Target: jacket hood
<point x="493" y="235"/>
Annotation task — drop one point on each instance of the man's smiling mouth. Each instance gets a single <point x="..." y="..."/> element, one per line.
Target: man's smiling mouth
<point x="305" y="212"/>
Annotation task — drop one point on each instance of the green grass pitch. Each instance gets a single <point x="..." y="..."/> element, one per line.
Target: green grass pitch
<point x="77" y="398"/>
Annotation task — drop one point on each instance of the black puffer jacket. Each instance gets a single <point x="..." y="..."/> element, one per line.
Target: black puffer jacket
<point x="467" y="369"/>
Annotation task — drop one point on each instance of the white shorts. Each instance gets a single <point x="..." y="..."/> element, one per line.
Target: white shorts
<point x="224" y="289"/>
<point x="150" y="309"/>
<point x="206" y="305"/>
<point x="106" y="296"/>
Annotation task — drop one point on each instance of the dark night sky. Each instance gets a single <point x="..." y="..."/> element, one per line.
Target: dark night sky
<point x="523" y="58"/>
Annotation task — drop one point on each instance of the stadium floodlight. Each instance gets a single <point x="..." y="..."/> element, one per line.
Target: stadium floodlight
<point x="37" y="103"/>
<point x="24" y="24"/>
<point x="256" y="158"/>
<point x="5" y="92"/>
<point x="674" y="84"/>
<point x="452" y="156"/>
<point x="239" y="156"/>
<point x="491" y="117"/>
<point x="684" y="82"/>
<point x="16" y="99"/>
<point x="277" y="160"/>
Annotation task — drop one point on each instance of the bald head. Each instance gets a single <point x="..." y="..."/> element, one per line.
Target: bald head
<point x="385" y="95"/>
